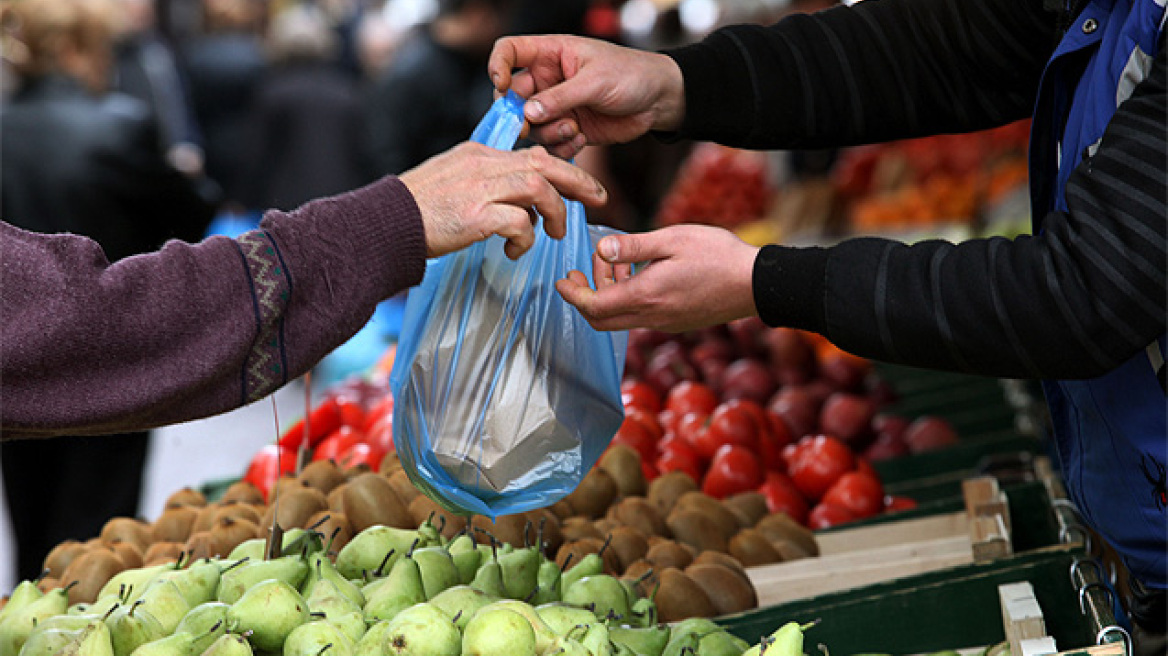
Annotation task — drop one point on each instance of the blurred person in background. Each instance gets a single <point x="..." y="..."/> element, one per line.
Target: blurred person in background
<point x="224" y="64"/>
<point x="434" y="93"/>
<point x="79" y="160"/>
<point x="376" y="42"/>
<point x="306" y="123"/>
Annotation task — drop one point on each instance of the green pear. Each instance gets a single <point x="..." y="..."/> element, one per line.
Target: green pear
<point x="252" y="550"/>
<point x="166" y="603"/>
<point x="597" y="641"/>
<point x="603" y="593"/>
<point x="22" y="595"/>
<point x="698" y="625"/>
<point x="371" y="644"/>
<point x="489" y="577"/>
<point x="48" y="642"/>
<point x="18" y="625"/>
<point x="589" y="565"/>
<point x="467" y="558"/>
<point x="129" y="584"/>
<point x="366" y="551"/>
<point x="270" y="609"/>
<point x="402" y="588"/>
<point x="100" y="608"/>
<point x="338" y="609"/>
<point x="207" y="622"/>
<point x="722" y="643"/>
<point x="648" y="641"/>
<point x="547" y="583"/>
<point x="229" y="644"/>
<point x="567" y="646"/>
<point x="301" y="541"/>
<point x="431" y="536"/>
<point x="422" y="630"/>
<point x="520" y="573"/>
<point x="236" y="581"/>
<point x="682" y="644"/>
<point x="438" y="569"/>
<point x="643" y="613"/>
<point x="498" y="632"/>
<point x="67" y="622"/>
<point x="131" y="627"/>
<point x="562" y="618"/>
<point x="543" y="633"/>
<point x="93" y="640"/>
<point x="317" y="637"/>
<point x="461" y="602"/>
<point x="321" y="567"/>
<point x="198" y="582"/>
<point x="787" y="640"/>
<point x="175" y="644"/>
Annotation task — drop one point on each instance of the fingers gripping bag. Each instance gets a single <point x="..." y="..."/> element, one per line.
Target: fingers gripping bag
<point x="504" y="396"/>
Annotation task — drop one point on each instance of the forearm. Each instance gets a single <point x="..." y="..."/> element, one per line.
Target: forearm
<point x="872" y="72"/>
<point x="192" y="330"/>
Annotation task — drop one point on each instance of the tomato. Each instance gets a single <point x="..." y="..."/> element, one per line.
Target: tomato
<point x="691" y="396"/>
<point x="734" y="469"/>
<point x="668" y="419"/>
<point x="773" y="438"/>
<point x="649" y="471"/>
<point x="817" y="463"/>
<point x="324" y="419"/>
<point x="782" y="496"/>
<point x="646" y="419"/>
<point x="380" y="434"/>
<point x="826" y="515"/>
<point x="361" y="454"/>
<point x="732" y="425"/>
<point x="639" y="394"/>
<point x="894" y="503"/>
<point x="351" y="411"/>
<point x="632" y="433"/>
<point x="677" y="456"/>
<point x="334" y="445"/>
<point x="268" y="464"/>
<point x="860" y="492"/>
<point x="380" y="408"/>
<point x="692" y="429"/>
<point x="863" y="465"/>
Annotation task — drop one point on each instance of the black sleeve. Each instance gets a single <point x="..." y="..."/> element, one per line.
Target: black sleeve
<point x="1084" y="295"/>
<point x="875" y="71"/>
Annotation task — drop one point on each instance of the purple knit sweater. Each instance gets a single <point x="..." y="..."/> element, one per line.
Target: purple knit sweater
<point x="190" y="331"/>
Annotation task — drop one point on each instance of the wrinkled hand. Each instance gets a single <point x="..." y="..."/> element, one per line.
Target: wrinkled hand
<point x="696" y="276"/>
<point x="584" y="91"/>
<point x="472" y="192"/>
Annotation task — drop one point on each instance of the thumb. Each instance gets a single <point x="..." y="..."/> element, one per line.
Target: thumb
<point x="631" y="249"/>
<point x="559" y="100"/>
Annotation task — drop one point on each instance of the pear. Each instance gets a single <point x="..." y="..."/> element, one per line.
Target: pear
<point x="562" y="618"/>
<point x="590" y="565"/>
<point x="229" y="644"/>
<point x="597" y="642"/>
<point x="100" y="608"/>
<point x="317" y="637"/>
<point x="682" y="644"/>
<point x="236" y="581"/>
<point x="438" y="569"/>
<point x="67" y="622"/>
<point x="498" y="632"/>
<point x="18" y="624"/>
<point x="461" y="602"/>
<point x="643" y="613"/>
<point x="604" y="594"/>
<point x="131" y="627"/>
<point x="402" y="588"/>
<point x="371" y="644"/>
<point x="543" y="633"/>
<point x="48" y="642"/>
<point x="252" y="550"/>
<point x="127" y="585"/>
<point x="198" y="582"/>
<point x="466" y="557"/>
<point x="176" y="644"/>
<point x="24" y="593"/>
<point x="547" y="583"/>
<point x="367" y="549"/>
<point x="520" y="572"/>
<point x="787" y="640"/>
<point x="422" y="630"/>
<point x="722" y="643"/>
<point x="321" y="567"/>
<point x="270" y="609"/>
<point x="489" y="577"/>
<point x="207" y="622"/>
<point x="648" y="641"/>
<point x="93" y="640"/>
<point x="567" y="646"/>
<point x="166" y="603"/>
<point x="325" y="598"/>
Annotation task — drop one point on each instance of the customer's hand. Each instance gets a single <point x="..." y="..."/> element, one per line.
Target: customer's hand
<point x="695" y="276"/>
<point x="472" y="192"/>
<point x="583" y="91"/>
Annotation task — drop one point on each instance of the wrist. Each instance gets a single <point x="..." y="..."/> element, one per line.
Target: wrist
<point x="669" y="108"/>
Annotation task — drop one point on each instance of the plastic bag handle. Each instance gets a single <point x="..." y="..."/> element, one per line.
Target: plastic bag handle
<point x="503" y="122"/>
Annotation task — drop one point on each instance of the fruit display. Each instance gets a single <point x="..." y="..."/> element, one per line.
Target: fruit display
<point x="717" y="185"/>
<point x="386" y="591"/>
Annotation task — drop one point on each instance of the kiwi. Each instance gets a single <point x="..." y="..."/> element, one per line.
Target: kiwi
<point x="724" y="519"/>
<point x="668" y="553"/>
<point x="61" y="555"/>
<point x="187" y="496"/>
<point x="422" y="507"/>
<point x="203" y="545"/>
<point x="562" y="509"/>
<point x="789" y="550"/>
<point x="724" y="559"/>
<point x="623" y="463"/>
<point x="389" y="463"/>
<point x="679" y="597"/>
<point x="752" y="548"/>
<point x="594" y="494"/>
<point x="748" y="507"/>
<point x="91" y="571"/>
<point x="162" y="552"/>
<point x="230" y="531"/>
<point x="293" y="507"/>
<point x="357" y="470"/>
<point x="640" y="513"/>
<point x="644" y="573"/>
<point x="131" y="555"/>
<point x="725" y="588"/>
<point x="544" y="524"/>
<point x="780" y="526"/>
<point x="369" y="499"/>
<point x="506" y="529"/>
<point x="576" y="528"/>
<point x="236" y="511"/>
<point x="174" y="524"/>
<point x="242" y="492"/>
<point x="285" y="484"/>
<point x="604" y="525"/>
<point x="334" y="526"/>
<point x="400" y="480"/>
<point x="207" y="516"/>
<point x="696" y="528"/>
<point x="323" y="475"/>
<point x="336" y="498"/>
<point x="46" y="584"/>
<point x="580" y="548"/>
<point x="629" y="544"/>
<point x="134" y="531"/>
<point x="666" y="489"/>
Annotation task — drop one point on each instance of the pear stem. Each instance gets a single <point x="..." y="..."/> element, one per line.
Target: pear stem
<point x="377" y="573"/>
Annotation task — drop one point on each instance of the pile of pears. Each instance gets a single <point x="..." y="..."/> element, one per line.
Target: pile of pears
<point x="387" y="591"/>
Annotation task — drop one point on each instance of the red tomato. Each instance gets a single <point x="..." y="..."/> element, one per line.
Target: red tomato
<point x="268" y="464"/>
<point x="324" y="419"/>
<point x="817" y="464"/>
<point x="639" y="394"/>
<point x="334" y="445"/>
<point x="692" y="429"/>
<point x="361" y="453"/>
<point x="733" y="425"/>
<point x="734" y="469"/>
<point x="668" y="419"/>
<point x="380" y="434"/>
<point x="893" y="503"/>
<point x="679" y="458"/>
<point x="691" y="396"/>
<point x="647" y="419"/>
<point x="865" y="466"/>
<point x="649" y="471"/>
<point x="351" y="411"/>
<point x="860" y="492"/>
<point x="782" y="496"/>
<point x="826" y="515"/>
<point x="380" y="408"/>
<point x="633" y="433"/>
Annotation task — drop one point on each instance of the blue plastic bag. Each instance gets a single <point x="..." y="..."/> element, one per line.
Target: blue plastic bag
<point x="504" y="396"/>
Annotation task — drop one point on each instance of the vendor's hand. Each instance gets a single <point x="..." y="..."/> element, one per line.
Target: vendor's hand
<point x="584" y="91"/>
<point x="696" y="276"/>
<point x="472" y="192"/>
